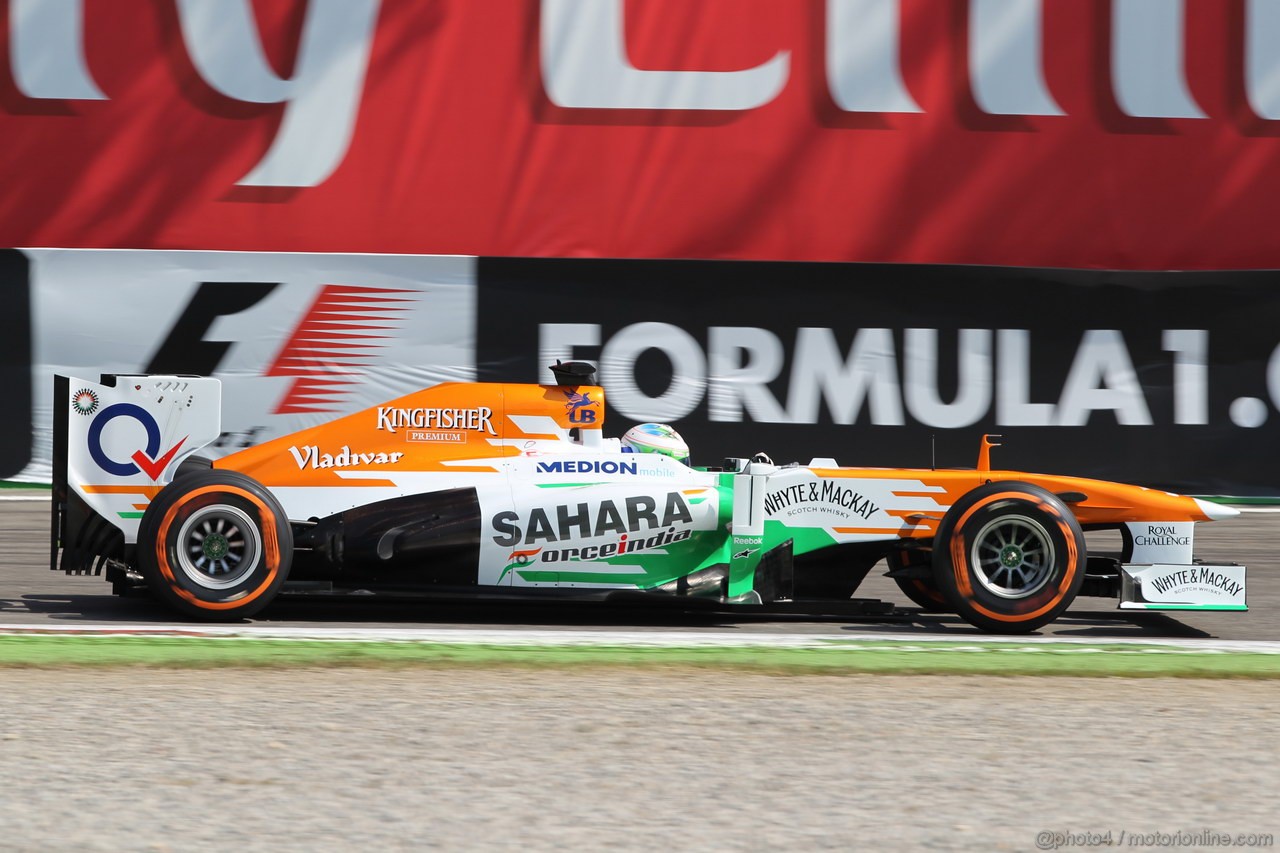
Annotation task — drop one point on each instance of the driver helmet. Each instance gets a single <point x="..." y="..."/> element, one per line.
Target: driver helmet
<point x="655" y="438"/>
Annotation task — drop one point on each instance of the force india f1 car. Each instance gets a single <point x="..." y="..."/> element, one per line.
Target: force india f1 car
<point x="508" y="489"/>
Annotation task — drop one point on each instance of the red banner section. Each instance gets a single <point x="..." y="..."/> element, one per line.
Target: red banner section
<point x="1111" y="133"/>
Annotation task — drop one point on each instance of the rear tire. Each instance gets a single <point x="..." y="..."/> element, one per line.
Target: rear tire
<point x="192" y="465"/>
<point x="215" y="545"/>
<point x="1010" y="557"/>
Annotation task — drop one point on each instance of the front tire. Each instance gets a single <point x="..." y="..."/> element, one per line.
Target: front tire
<point x="215" y="545"/>
<point x="1010" y="557"/>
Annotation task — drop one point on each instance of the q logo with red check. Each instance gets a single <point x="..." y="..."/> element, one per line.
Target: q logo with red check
<point x="148" y="459"/>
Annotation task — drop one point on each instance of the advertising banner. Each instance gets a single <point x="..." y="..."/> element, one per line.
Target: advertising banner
<point x="295" y="339"/>
<point x="1169" y="380"/>
<point x="1126" y="134"/>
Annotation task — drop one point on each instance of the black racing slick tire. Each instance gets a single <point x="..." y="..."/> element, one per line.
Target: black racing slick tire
<point x="923" y="592"/>
<point x="215" y="545"/>
<point x="1010" y="557"/>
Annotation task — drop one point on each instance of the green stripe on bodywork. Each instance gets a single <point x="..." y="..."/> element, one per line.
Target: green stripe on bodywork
<point x="841" y="658"/>
<point x="1243" y="501"/>
<point x="130" y="514"/>
<point x="654" y="566"/>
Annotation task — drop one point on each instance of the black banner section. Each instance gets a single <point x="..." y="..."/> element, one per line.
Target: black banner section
<point x="1162" y="379"/>
<point x="15" y="362"/>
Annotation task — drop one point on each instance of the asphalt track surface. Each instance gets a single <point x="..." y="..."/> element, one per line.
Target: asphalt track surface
<point x="32" y="594"/>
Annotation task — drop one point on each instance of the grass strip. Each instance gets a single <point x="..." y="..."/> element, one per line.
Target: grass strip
<point x="18" y="652"/>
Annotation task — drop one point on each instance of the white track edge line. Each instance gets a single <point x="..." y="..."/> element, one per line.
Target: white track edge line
<point x="664" y="639"/>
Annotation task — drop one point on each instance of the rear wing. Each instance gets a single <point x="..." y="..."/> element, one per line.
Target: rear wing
<point x="116" y="443"/>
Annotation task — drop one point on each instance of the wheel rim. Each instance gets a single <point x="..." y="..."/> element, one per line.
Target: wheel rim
<point x="218" y="546"/>
<point x="1013" y="557"/>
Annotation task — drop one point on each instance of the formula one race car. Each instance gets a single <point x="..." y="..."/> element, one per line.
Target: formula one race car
<point x="505" y="489"/>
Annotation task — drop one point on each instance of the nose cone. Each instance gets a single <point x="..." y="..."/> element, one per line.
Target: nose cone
<point x="1216" y="512"/>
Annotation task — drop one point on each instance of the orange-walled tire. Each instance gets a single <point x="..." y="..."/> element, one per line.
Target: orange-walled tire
<point x="215" y="545"/>
<point x="923" y="592"/>
<point x="1010" y="557"/>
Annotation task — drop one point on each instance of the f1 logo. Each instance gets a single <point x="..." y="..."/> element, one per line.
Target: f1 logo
<point x="184" y="349"/>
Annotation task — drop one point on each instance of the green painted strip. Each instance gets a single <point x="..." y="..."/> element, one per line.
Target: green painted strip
<point x="563" y="485"/>
<point x="1244" y="501"/>
<point x="11" y="484"/>
<point x="130" y="514"/>
<point x="885" y="658"/>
